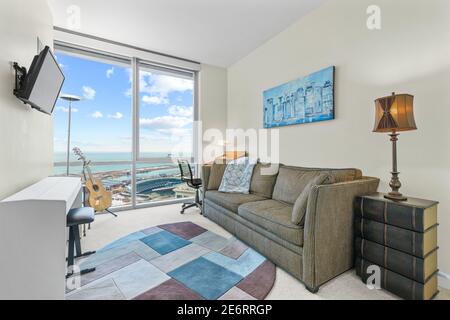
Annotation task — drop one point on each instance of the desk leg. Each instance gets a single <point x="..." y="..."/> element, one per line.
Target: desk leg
<point x="70" y="259"/>
<point x="76" y="231"/>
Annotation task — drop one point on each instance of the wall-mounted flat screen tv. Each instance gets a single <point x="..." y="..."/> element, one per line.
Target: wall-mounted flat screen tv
<point x="41" y="85"/>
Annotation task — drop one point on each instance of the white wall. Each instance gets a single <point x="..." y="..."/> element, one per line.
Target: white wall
<point x="213" y="99"/>
<point x="410" y="54"/>
<point x="26" y="136"/>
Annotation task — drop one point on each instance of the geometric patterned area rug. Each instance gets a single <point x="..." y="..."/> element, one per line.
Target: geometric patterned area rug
<point x="179" y="261"/>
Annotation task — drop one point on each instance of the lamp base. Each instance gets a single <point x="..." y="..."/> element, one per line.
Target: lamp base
<point x="395" y="196"/>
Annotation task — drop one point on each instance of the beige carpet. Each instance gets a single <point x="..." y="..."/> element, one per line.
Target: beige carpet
<point x="106" y="229"/>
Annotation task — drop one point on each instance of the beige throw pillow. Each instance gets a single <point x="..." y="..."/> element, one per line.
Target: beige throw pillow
<point x="299" y="209"/>
<point x="215" y="177"/>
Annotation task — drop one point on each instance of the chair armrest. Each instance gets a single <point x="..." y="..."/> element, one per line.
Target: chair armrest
<point x="328" y="242"/>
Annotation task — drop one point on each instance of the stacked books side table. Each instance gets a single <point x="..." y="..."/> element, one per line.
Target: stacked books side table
<point x="401" y="239"/>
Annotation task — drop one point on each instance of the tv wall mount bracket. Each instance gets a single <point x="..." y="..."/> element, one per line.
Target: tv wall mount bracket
<point x="20" y="74"/>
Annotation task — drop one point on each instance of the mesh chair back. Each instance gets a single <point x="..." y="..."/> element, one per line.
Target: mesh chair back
<point x="185" y="170"/>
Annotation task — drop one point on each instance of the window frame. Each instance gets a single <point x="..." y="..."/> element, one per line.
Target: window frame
<point x="135" y="63"/>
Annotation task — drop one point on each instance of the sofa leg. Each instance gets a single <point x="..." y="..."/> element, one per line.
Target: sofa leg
<point x="312" y="290"/>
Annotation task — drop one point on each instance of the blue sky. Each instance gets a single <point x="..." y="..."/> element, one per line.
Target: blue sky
<point x="101" y="121"/>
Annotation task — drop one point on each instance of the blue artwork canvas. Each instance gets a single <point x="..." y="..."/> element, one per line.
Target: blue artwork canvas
<point x="305" y="100"/>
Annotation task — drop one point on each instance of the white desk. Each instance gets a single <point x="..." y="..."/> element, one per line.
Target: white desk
<point x="33" y="239"/>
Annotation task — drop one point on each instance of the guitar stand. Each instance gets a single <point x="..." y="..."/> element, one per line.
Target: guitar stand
<point x="109" y="211"/>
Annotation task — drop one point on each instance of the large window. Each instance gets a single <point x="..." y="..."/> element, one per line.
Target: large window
<point x="131" y="139"/>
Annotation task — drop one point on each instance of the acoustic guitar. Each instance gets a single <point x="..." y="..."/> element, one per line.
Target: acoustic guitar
<point x="99" y="198"/>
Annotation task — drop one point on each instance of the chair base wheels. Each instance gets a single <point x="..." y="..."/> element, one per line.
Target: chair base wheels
<point x="190" y="205"/>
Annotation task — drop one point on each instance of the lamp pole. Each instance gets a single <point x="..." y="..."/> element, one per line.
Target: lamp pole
<point x="395" y="183"/>
<point x="69" y="98"/>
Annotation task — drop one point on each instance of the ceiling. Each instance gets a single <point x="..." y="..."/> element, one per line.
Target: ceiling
<point x="217" y="32"/>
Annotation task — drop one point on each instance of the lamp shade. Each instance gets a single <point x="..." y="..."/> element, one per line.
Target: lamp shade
<point x="394" y="113"/>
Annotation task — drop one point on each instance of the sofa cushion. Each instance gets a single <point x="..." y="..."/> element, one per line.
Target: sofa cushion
<point x="299" y="210"/>
<point x="262" y="184"/>
<point x="231" y="201"/>
<point x="339" y="175"/>
<point x="275" y="217"/>
<point x="215" y="176"/>
<point x="291" y="182"/>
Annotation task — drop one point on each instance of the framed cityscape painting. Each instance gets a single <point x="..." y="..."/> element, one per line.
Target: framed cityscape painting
<point x="305" y="100"/>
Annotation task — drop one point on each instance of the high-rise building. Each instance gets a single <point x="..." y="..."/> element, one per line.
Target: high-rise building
<point x="318" y="109"/>
<point x="328" y="99"/>
<point x="299" y="105"/>
<point x="279" y="107"/>
<point x="269" y="111"/>
<point x="288" y="107"/>
<point x="309" y="101"/>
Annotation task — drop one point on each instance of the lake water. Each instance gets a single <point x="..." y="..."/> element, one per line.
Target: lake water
<point x="60" y="158"/>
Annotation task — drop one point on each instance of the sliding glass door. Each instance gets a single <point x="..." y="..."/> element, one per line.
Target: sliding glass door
<point x="132" y="131"/>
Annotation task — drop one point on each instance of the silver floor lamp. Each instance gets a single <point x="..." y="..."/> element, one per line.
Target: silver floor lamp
<point x="70" y="98"/>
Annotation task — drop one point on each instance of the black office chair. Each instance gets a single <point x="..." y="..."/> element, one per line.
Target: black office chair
<point x="196" y="183"/>
<point x="75" y="218"/>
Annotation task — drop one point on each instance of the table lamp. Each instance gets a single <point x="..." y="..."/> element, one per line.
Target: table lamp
<point x="394" y="114"/>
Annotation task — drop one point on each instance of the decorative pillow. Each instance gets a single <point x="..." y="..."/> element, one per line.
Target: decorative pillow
<point x="299" y="209"/>
<point x="237" y="176"/>
<point x="215" y="177"/>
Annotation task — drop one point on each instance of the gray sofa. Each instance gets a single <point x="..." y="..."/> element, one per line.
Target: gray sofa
<point x="314" y="251"/>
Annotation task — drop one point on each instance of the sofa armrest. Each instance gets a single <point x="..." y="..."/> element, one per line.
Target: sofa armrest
<point x="328" y="242"/>
<point x="206" y="171"/>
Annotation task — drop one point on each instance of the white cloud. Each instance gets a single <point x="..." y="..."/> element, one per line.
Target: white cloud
<point x="117" y="116"/>
<point x="181" y="111"/>
<point x="154" y="100"/>
<point x="88" y="93"/>
<point x="110" y="72"/>
<point x="160" y="85"/>
<point x="164" y="122"/>
<point x="66" y="109"/>
<point x="164" y="84"/>
<point x="176" y="132"/>
<point x="97" y="115"/>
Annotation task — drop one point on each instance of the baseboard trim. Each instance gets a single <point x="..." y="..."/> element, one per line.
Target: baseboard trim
<point x="444" y="280"/>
